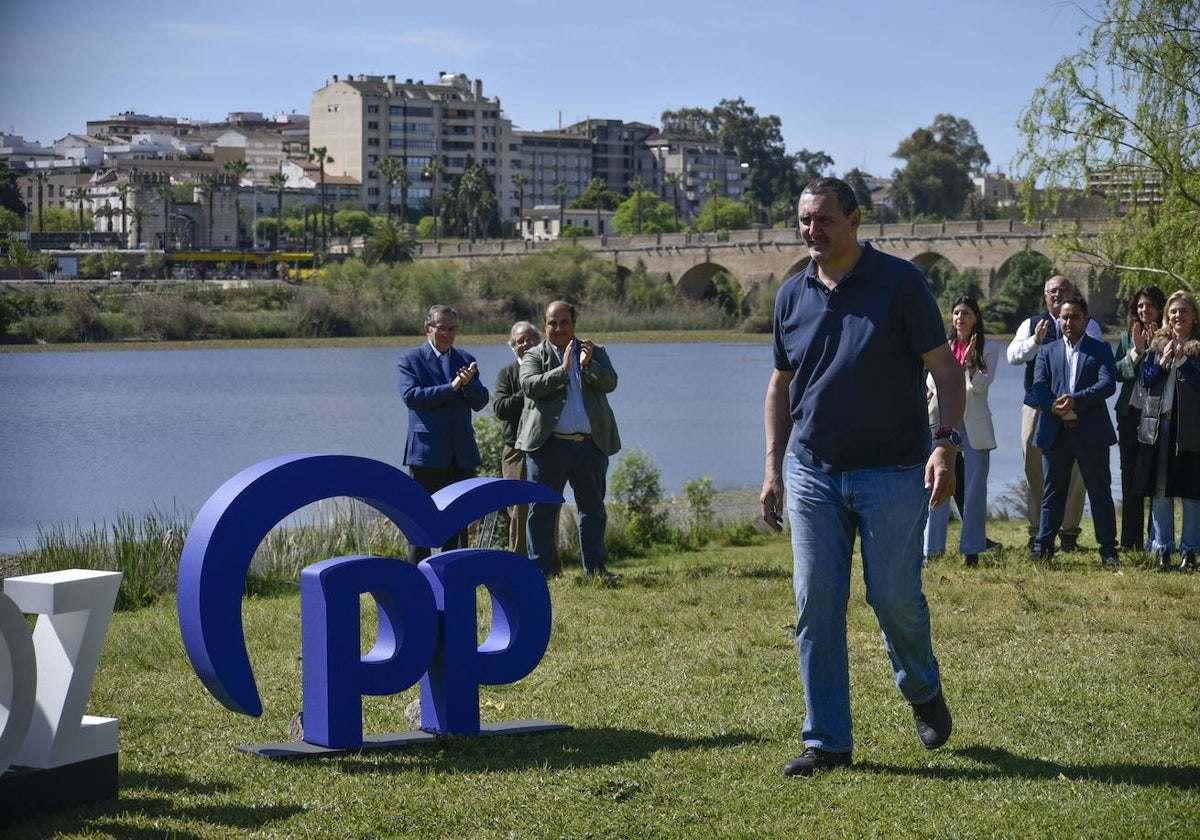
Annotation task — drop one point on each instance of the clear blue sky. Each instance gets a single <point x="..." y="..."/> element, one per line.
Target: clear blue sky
<point x="851" y="79"/>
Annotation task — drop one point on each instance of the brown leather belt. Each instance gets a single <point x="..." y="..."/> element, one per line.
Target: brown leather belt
<point x="578" y="438"/>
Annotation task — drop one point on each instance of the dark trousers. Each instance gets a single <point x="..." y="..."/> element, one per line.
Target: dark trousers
<point x="1057" y="463"/>
<point x="434" y="479"/>
<point x="1133" y="504"/>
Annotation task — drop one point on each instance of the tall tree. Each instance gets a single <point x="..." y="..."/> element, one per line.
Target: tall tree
<point x="713" y="188"/>
<point x="10" y="191"/>
<point x="560" y="190"/>
<point x="210" y="181"/>
<point x="858" y="183"/>
<point x="237" y="167"/>
<point x="278" y="182"/>
<point x="79" y="195"/>
<point x="471" y="188"/>
<point x="674" y="180"/>
<point x="166" y="194"/>
<point x="939" y="160"/>
<point x="123" y="190"/>
<point x="140" y="216"/>
<point x="1126" y="106"/>
<point x="321" y="156"/>
<point x="637" y="185"/>
<point x="41" y="177"/>
<point x="433" y="171"/>
<point x="389" y="169"/>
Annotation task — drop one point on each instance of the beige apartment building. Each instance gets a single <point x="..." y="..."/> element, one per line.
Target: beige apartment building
<point x="361" y="120"/>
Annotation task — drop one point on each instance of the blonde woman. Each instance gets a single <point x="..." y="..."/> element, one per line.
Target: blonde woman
<point x="1168" y="464"/>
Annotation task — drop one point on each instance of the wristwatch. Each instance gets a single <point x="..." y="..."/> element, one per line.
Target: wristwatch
<point x="952" y="435"/>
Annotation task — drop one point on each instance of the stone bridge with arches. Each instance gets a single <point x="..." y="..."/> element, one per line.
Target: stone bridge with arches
<point x="757" y="258"/>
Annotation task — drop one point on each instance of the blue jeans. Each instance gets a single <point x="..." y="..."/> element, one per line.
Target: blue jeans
<point x="887" y="508"/>
<point x="554" y="464"/>
<point x="1162" y="535"/>
<point x="976" y="463"/>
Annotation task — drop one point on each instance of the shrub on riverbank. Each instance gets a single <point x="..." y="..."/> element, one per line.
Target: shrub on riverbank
<point x="355" y="299"/>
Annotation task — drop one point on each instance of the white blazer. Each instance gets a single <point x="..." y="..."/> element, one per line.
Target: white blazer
<point x="977" y="418"/>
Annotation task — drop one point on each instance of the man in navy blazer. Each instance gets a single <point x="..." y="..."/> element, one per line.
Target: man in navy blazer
<point x="441" y="387"/>
<point x="1071" y="381"/>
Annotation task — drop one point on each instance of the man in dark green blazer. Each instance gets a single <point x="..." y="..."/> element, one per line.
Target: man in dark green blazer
<point x="568" y="433"/>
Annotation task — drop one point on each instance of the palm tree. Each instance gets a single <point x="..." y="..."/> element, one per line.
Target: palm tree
<point x="388" y="245"/>
<point x="106" y="211"/>
<point x="403" y="179"/>
<point x="140" y="216"/>
<point x="389" y="169"/>
<point x="321" y="156"/>
<point x="519" y="181"/>
<point x="674" y="179"/>
<point x="123" y="190"/>
<point x="278" y="182"/>
<point x="237" y="167"/>
<point x="712" y="188"/>
<point x="597" y="185"/>
<point x="165" y="193"/>
<point x="636" y="184"/>
<point x="471" y="188"/>
<point x="560" y="190"/>
<point x="210" y="182"/>
<point x="432" y="172"/>
<point x="42" y="177"/>
<point x="79" y="195"/>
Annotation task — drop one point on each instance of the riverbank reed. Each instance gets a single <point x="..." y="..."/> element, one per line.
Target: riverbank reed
<point x="1076" y="695"/>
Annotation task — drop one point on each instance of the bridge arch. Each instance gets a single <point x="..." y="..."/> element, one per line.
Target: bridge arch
<point x="697" y="282"/>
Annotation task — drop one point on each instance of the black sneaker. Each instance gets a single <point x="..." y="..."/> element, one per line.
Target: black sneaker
<point x="816" y="760"/>
<point x="1189" y="562"/>
<point x="933" y="720"/>
<point x="1162" y="560"/>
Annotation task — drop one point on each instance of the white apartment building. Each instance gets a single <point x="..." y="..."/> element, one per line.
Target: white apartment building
<point x="360" y="120"/>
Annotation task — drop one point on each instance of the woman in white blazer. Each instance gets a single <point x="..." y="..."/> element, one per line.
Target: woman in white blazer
<point x="978" y="359"/>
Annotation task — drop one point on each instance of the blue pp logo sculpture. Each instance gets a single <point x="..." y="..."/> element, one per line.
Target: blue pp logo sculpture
<point x="427" y="613"/>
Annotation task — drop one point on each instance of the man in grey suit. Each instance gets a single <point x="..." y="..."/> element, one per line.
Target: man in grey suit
<point x="568" y="433"/>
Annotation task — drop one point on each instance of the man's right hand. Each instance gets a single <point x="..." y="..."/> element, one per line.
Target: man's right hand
<point x="772" y="503"/>
<point x="1039" y="332"/>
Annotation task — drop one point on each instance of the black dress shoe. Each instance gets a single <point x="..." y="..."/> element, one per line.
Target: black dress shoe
<point x="991" y="545"/>
<point x="1039" y="555"/>
<point x="816" y="760"/>
<point x="1189" y="562"/>
<point x="972" y="559"/>
<point x="1109" y="559"/>
<point x="1162" y="560"/>
<point x="1069" y="542"/>
<point x="933" y="720"/>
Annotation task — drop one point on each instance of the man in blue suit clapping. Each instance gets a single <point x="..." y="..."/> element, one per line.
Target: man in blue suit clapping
<point x="1071" y="381"/>
<point x="441" y="387"/>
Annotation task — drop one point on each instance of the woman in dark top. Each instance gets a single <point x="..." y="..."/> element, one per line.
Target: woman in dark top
<point x="1145" y="316"/>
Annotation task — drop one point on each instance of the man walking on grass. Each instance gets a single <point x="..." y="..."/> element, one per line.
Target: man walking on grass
<point x="847" y="435"/>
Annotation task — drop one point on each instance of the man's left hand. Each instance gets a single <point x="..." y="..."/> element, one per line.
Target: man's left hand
<point x="939" y="473"/>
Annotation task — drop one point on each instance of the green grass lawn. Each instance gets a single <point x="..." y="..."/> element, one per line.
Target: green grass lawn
<point x="1076" y="695"/>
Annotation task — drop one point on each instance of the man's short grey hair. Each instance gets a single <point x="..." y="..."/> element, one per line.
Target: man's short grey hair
<point x="439" y="309"/>
<point x="518" y="327"/>
<point x="846" y="199"/>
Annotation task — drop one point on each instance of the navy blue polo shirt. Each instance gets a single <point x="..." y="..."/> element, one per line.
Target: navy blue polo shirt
<point x="858" y="395"/>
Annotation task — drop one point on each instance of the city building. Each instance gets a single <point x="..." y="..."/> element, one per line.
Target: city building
<point x="361" y="120"/>
<point x="619" y="152"/>
<point x="549" y="158"/>
<point x="693" y="169"/>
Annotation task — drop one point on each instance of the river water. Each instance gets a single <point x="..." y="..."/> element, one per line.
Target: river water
<point x="88" y="435"/>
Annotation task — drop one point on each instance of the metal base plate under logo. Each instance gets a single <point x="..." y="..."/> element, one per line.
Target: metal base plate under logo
<point x="27" y="792"/>
<point x="302" y="749"/>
